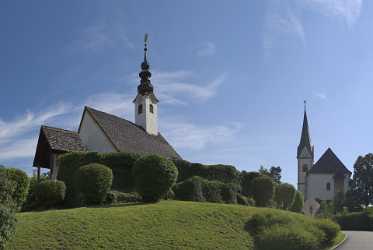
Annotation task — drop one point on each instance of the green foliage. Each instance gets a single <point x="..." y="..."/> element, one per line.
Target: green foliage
<point x="31" y="195"/>
<point x="223" y="173"/>
<point x="330" y="230"/>
<point x="20" y="181"/>
<point x="7" y="188"/>
<point x="274" y="173"/>
<point x="121" y="164"/>
<point x="356" y="221"/>
<point x="121" y="197"/>
<point x="263" y="191"/>
<point x="189" y="190"/>
<point x="154" y="176"/>
<point x="298" y="203"/>
<point x="94" y="181"/>
<point x="286" y="238"/>
<point x="352" y="201"/>
<point x="284" y="196"/>
<point x="247" y="179"/>
<point x="362" y="182"/>
<point x="7" y="225"/>
<point x="49" y="193"/>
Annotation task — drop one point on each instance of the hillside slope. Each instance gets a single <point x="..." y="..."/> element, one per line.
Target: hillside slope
<point x="166" y="225"/>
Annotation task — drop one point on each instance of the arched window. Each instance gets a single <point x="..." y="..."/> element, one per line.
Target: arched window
<point x="151" y="108"/>
<point x="305" y="168"/>
<point x="139" y="109"/>
<point x="328" y="186"/>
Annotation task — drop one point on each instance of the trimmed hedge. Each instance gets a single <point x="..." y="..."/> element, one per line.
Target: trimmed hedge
<point x="7" y="225"/>
<point x="330" y="230"/>
<point x="17" y="183"/>
<point x="244" y="200"/>
<point x="219" y="172"/>
<point x="247" y="179"/>
<point x="120" y="197"/>
<point x="285" y="195"/>
<point x="49" y="193"/>
<point x="154" y="176"/>
<point x="189" y="190"/>
<point x="357" y="221"/>
<point x="263" y="191"/>
<point x="298" y="202"/>
<point x="94" y="181"/>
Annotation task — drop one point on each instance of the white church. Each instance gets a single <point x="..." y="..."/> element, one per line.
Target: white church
<point x="324" y="179"/>
<point x="102" y="132"/>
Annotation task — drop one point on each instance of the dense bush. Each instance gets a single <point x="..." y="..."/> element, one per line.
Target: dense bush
<point x="330" y="230"/>
<point x="357" y="221"/>
<point x="121" y="164"/>
<point x="286" y="238"/>
<point x="7" y="188"/>
<point x="298" y="203"/>
<point x="223" y="173"/>
<point x="121" y="197"/>
<point x="7" y="225"/>
<point x="93" y="182"/>
<point x="154" y="176"/>
<point x="247" y="179"/>
<point x="284" y="196"/>
<point x="49" y="193"/>
<point x="31" y="196"/>
<point x="263" y="191"/>
<point x="14" y="186"/>
<point x="189" y="190"/>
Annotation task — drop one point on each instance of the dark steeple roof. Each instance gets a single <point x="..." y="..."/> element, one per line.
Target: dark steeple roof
<point x="129" y="137"/>
<point x="145" y="87"/>
<point x="305" y="140"/>
<point x="329" y="164"/>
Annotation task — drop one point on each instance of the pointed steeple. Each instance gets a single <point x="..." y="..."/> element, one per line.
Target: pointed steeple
<point x="145" y="87"/>
<point x="305" y="140"/>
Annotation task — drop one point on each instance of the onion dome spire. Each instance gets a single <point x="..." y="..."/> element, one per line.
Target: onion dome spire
<point x="145" y="86"/>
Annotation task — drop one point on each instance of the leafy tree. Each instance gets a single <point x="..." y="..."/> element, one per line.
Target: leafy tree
<point x="298" y="203"/>
<point x="284" y="196"/>
<point x="362" y="182"/>
<point x="263" y="191"/>
<point x="247" y="179"/>
<point x="273" y="172"/>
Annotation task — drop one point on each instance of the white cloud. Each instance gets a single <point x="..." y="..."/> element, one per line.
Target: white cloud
<point x="196" y="137"/>
<point x="321" y="95"/>
<point x="206" y="49"/>
<point x="18" y="149"/>
<point x="114" y="103"/>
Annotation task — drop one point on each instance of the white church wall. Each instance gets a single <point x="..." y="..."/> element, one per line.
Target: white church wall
<point x="93" y="137"/>
<point x="317" y="186"/>
<point x="146" y="119"/>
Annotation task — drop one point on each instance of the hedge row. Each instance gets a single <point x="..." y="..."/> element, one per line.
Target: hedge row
<point x="223" y="173"/>
<point x="199" y="189"/>
<point x="357" y="221"/>
<point x="278" y="231"/>
<point x="14" y="184"/>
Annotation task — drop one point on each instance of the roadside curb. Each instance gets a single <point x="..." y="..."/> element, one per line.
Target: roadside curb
<point x="340" y="243"/>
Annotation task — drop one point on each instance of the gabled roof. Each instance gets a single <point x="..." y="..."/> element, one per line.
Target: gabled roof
<point x="55" y="140"/>
<point x="305" y="140"/>
<point x="329" y="164"/>
<point x="129" y="137"/>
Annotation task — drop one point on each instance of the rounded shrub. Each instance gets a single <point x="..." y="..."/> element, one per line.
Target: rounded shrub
<point x="154" y="176"/>
<point x="21" y="182"/>
<point x="263" y="191"/>
<point x="286" y="238"/>
<point x="189" y="190"/>
<point x="121" y="197"/>
<point x="330" y="230"/>
<point x="246" y="179"/>
<point x="7" y="225"/>
<point x="93" y="182"/>
<point x="50" y="193"/>
<point x="284" y="196"/>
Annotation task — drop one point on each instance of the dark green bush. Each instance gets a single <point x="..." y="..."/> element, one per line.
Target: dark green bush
<point x="284" y="196"/>
<point x="31" y="196"/>
<point x="121" y="164"/>
<point x="93" y="182"/>
<point x="330" y="230"/>
<point x="121" y="197"/>
<point x="286" y="238"/>
<point x="7" y="225"/>
<point x="223" y="173"/>
<point x="189" y="190"/>
<point x="212" y="191"/>
<point x="154" y="176"/>
<point x="7" y="188"/>
<point x="357" y="221"/>
<point x="21" y="181"/>
<point x="247" y="179"/>
<point x="242" y="200"/>
<point x="297" y="205"/>
<point x="263" y="191"/>
<point x="49" y="193"/>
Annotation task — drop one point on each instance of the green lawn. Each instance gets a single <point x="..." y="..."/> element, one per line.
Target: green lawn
<point x="165" y="225"/>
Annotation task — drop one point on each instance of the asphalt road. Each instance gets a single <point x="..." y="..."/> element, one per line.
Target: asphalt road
<point x="358" y="240"/>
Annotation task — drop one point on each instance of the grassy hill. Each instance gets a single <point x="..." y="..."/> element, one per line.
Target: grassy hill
<point x="166" y="225"/>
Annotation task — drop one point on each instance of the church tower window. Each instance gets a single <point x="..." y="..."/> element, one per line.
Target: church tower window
<point x="139" y="109"/>
<point x="328" y="186"/>
<point x="151" y="108"/>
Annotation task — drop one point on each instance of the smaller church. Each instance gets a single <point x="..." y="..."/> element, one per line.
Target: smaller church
<point x="324" y="179"/>
<point x="103" y="132"/>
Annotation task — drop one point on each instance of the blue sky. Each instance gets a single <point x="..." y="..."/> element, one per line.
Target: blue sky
<point x="231" y="76"/>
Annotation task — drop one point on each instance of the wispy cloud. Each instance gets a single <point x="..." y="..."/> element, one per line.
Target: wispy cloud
<point x="18" y="149"/>
<point x="102" y="36"/>
<point x="284" y="19"/>
<point x="321" y="95"/>
<point x="206" y="49"/>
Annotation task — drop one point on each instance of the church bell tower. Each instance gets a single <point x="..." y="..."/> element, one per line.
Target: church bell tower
<point x="305" y="155"/>
<point x="146" y="110"/>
